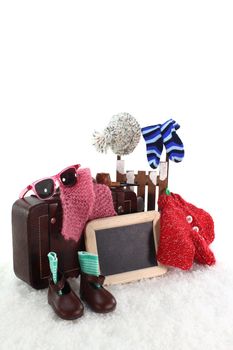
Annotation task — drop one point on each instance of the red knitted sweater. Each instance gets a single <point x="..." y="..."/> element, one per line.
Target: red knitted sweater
<point x="185" y="233"/>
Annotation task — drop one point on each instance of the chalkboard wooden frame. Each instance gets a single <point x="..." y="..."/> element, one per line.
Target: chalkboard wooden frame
<point x="122" y="221"/>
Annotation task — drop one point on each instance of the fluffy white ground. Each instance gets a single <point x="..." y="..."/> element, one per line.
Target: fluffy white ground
<point x="181" y="310"/>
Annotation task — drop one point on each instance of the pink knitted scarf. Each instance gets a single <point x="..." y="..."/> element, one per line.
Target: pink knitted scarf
<point x="83" y="202"/>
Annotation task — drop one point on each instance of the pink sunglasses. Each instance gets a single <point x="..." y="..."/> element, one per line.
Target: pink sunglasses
<point x="46" y="187"/>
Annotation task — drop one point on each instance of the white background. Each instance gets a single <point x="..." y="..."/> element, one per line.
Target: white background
<point x="67" y="66"/>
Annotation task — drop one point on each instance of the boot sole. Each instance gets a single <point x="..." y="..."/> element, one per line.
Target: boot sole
<point x="98" y="312"/>
<point x="65" y="318"/>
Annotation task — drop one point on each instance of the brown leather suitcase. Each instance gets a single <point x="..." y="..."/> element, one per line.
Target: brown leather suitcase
<point x="36" y="230"/>
<point x="124" y="200"/>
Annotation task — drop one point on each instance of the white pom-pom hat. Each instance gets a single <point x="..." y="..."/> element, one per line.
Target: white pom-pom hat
<point x="121" y="135"/>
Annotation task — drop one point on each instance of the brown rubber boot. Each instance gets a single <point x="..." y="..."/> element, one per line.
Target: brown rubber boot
<point x="68" y="305"/>
<point x="98" y="298"/>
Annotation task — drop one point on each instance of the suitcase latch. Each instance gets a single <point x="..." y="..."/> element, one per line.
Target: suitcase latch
<point x="53" y="221"/>
<point x="53" y="212"/>
<point x="120" y="209"/>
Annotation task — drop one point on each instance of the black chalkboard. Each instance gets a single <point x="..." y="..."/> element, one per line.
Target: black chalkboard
<point x="126" y="248"/>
